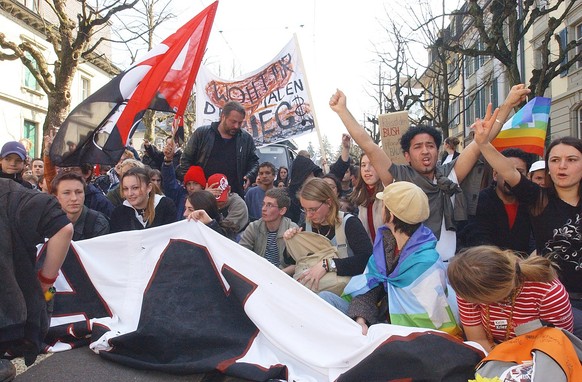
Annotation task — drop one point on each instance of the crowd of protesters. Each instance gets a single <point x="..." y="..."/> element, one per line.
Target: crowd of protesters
<point x="514" y="257"/>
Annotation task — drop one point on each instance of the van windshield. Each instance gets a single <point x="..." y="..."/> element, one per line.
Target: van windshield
<point x="277" y="155"/>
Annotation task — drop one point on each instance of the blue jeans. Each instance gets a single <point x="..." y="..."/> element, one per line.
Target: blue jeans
<point x="335" y="300"/>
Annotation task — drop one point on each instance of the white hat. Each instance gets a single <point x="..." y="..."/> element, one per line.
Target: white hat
<point x="406" y="201"/>
<point x="538" y="165"/>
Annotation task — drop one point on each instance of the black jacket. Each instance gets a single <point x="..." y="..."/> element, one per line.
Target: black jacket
<point x="199" y="146"/>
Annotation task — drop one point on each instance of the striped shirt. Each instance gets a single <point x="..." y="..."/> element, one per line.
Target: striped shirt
<point x="538" y="300"/>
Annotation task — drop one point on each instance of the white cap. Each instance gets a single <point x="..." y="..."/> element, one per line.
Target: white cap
<point x="538" y="165"/>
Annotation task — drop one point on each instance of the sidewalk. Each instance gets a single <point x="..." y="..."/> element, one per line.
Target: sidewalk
<point x="84" y="365"/>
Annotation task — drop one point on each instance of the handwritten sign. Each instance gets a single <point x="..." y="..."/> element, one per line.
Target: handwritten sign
<point x="392" y="126"/>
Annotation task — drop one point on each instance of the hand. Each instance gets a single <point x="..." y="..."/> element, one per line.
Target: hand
<point x="146" y="142"/>
<point x="169" y="150"/>
<point x="338" y="102"/>
<point x="310" y="278"/>
<point x="362" y="322"/>
<point x="199" y="215"/>
<point x="517" y="95"/>
<point x="291" y="232"/>
<point x="214" y="190"/>
<point x="481" y="132"/>
<point x="346" y="141"/>
<point x="48" y="141"/>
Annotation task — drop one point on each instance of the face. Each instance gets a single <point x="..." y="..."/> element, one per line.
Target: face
<point x="281" y="185"/>
<point x="283" y="173"/>
<point x="38" y="167"/>
<point x="71" y="195"/>
<point x="367" y="171"/>
<point x="12" y="164"/>
<point x="266" y="176"/>
<point x="192" y="186"/>
<point x="270" y="211"/>
<point x="565" y="166"/>
<point x="520" y="166"/>
<point x="135" y="191"/>
<point x="423" y="154"/>
<point x="539" y="177"/>
<point x="315" y="211"/>
<point x="232" y="123"/>
<point x="331" y="184"/>
<point x="157" y="180"/>
<point x="188" y="208"/>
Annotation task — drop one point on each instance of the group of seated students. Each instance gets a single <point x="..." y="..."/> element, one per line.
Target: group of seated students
<point x="389" y="231"/>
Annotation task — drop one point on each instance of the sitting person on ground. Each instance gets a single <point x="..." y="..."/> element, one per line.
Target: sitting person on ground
<point x="156" y="177"/>
<point x="202" y="206"/>
<point x="265" y="236"/>
<point x="194" y="180"/>
<point x="232" y="207"/>
<point x="12" y="160"/>
<point x="69" y="188"/>
<point x="282" y="176"/>
<point x="346" y="232"/>
<point x="497" y="291"/>
<point x="405" y="279"/>
<point x="142" y="207"/>
<point x="333" y="182"/>
<point x="254" y="195"/>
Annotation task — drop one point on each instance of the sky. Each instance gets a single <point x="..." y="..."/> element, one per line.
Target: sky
<point x="337" y="39"/>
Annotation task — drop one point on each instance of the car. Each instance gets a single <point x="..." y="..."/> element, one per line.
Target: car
<point x="278" y="154"/>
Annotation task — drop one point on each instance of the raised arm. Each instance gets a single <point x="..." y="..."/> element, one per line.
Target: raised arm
<point x="380" y="160"/>
<point x="493" y="123"/>
<point x="504" y="166"/>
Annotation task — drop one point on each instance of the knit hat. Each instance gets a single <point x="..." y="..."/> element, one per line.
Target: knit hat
<point x="195" y="174"/>
<point x="222" y="184"/>
<point x="538" y="165"/>
<point x="13" y="147"/>
<point x="406" y="201"/>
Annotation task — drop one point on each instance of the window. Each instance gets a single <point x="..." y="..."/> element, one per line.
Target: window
<point x="85" y="88"/>
<point x="563" y="42"/>
<point x="579" y="40"/>
<point x="454" y="115"/>
<point x="29" y="80"/>
<point x="453" y="70"/>
<point x="30" y="132"/>
<point x="30" y="4"/>
<point x="579" y="115"/>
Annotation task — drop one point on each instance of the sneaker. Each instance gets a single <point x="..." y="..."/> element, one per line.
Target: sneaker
<point x="7" y="370"/>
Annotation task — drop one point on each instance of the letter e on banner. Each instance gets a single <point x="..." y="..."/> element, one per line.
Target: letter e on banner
<point x="392" y="126"/>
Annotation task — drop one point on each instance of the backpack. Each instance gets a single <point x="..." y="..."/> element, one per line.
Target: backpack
<point x="540" y="355"/>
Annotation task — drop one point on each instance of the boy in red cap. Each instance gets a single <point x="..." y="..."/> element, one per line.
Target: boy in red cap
<point x="232" y="207"/>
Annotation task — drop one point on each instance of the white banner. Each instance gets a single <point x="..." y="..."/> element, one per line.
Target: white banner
<point x="276" y="98"/>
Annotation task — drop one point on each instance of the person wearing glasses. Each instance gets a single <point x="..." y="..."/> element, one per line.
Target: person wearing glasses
<point x="265" y="235"/>
<point x="323" y="216"/>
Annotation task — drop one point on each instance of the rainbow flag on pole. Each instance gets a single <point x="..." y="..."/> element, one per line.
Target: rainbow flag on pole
<point x="526" y="130"/>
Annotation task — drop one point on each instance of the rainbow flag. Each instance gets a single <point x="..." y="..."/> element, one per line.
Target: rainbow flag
<point x="526" y="130"/>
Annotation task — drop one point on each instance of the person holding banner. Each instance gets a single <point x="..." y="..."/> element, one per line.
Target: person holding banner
<point x="223" y="147"/>
<point x="420" y="145"/>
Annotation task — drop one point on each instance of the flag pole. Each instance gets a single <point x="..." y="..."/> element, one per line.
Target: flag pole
<point x="323" y="153"/>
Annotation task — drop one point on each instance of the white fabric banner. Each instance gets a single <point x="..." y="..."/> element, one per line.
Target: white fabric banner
<point x="276" y="98"/>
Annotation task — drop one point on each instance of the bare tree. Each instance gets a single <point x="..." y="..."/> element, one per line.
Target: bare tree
<point x="501" y="27"/>
<point x="75" y="39"/>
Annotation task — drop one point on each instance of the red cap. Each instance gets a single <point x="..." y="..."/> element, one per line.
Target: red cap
<point x="219" y="181"/>
<point x="195" y="174"/>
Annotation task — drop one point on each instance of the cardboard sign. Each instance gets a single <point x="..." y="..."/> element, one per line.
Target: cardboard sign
<point x="392" y="126"/>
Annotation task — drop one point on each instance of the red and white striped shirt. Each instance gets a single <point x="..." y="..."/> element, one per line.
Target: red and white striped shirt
<point x="537" y="300"/>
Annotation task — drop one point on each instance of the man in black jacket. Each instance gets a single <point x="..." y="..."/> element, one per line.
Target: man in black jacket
<point x="223" y="148"/>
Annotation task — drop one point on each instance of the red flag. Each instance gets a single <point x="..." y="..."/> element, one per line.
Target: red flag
<point x="97" y="130"/>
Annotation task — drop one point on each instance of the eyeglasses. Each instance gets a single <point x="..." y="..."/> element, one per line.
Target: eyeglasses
<point x="269" y="205"/>
<point x="311" y="211"/>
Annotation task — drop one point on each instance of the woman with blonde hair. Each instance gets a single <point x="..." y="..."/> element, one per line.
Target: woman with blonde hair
<point x="323" y="216"/>
<point x="497" y="291"/>
<point x="142" y="207"/>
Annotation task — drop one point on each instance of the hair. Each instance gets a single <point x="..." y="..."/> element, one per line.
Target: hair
<point x="270" y="165"/>
<point x="143" y="177"/>
<point x="151" y="173"/>
<point x="400" y="226"/>
<point x="65" y="176"/>
<point x="453" y="142"/>
<point x="352" y="208"/>
<point x="338" y="184"/>
<point x="205" y="200"/>
<point x="360" y="195"/>
<point x="413" y="131"/>
<point x="280" y="195"/>
<point x="519" y="154"/>
<point x="316" y="189"/>
<point x="487" y="274"/>
<point x="35" y="159"/>
<point x="233" y="106"/>
<point x="278" y="178"/>
<point x="30" y="178"/>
